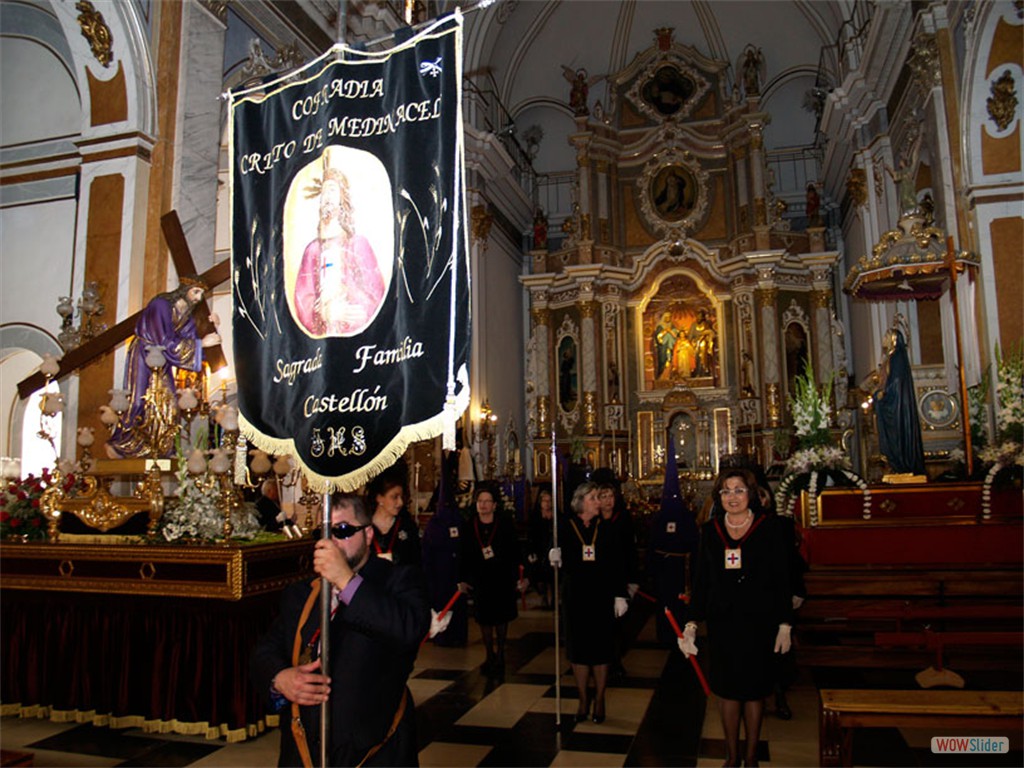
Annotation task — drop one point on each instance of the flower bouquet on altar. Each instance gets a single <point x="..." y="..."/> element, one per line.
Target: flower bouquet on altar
<point x="817" y="461"/>
<point x="21" y="512"/>
<point x="1005" y="456"/>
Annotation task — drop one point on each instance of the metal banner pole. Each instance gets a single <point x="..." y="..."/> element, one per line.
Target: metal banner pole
<point x="325" y="626"/>
<point x="554" y="541"/>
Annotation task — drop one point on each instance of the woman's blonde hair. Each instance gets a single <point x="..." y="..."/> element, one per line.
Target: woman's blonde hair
<point x="577" y="496"/>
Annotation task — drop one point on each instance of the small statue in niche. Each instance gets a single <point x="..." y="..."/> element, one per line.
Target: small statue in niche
<point x="540" y="231"/>
<point x="580" y="82"/>
<point x="905" y="179"/>
<point x="752" y="68"/>
<point x="702" y="336"/>
<point x="813" y="206"/>
<point x="747" y="368"/>
<point x="613" y="382"/>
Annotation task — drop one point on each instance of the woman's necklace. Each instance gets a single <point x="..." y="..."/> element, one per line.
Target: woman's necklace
<point x="747" y="519"/>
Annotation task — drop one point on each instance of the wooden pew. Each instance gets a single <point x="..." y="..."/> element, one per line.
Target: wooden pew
<point x="843" y="710"/>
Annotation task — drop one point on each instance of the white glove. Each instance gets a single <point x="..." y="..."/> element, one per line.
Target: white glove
<point x="555" y="557"/>
<point x="522" y="585"/>
<point x="782" y="640"/>
<point x="632" y="589"/>
<point x="621" y="606"/>
<point x="688" y="642"/>
<point x="531" y="558"/>
<point x="437" y="626"/>
<point x="797" y="601"/>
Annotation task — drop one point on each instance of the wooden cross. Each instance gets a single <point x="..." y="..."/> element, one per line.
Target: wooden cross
<point x="99" y="345"/>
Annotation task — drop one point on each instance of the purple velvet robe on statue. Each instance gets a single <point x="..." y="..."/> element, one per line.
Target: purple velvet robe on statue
<point x="158" y="325"/>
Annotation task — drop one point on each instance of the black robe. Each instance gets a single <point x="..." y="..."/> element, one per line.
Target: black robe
<point x="493" y="578"/>
<point x="374" y="640"/>
<point x="743" y="607"/>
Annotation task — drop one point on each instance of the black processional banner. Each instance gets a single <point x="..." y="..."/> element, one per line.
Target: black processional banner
<point x="349" y="260"/>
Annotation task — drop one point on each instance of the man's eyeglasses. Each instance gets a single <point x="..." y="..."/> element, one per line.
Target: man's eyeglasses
<point x="346" y="530"/>
<point x="732" y="491"/>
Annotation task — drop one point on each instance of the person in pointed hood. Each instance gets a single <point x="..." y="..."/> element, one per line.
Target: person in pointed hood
<point x="672" y="540"/>
<point x="441" y="557"/>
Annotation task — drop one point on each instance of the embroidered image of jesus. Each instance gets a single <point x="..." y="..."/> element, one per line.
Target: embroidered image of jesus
<point x="338" y="284"/>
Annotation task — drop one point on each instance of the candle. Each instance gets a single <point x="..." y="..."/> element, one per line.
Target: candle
<point x="50" y="366"/>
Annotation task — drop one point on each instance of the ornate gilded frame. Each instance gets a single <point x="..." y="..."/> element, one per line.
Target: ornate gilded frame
<point x="682" y="164"/>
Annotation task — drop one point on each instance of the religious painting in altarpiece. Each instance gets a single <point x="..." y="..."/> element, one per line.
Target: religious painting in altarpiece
<point x="680" y="337"/>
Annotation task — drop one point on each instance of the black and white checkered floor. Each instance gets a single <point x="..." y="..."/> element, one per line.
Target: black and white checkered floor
<point x="657" y="716"/>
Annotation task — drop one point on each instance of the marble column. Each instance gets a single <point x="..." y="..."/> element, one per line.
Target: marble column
<point x="768" y="299"/>
<point x="588" y="309"/>
<point x="540" y="318"/>
<point x="743" y="301"/>
<point x="743" y="191"/>
<point x="821" y="323"/>
<point x="582" y="144"/>
<point x="757" y="173"/>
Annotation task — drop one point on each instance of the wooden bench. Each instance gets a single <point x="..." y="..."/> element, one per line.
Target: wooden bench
<point x="842" y="710"/>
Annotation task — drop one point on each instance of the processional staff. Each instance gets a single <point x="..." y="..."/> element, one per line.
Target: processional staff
<point x="554" y="543"/>
<point x="325" y="624"/>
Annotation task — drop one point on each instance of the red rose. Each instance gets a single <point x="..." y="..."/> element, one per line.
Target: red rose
<point x="35" y="522"/>
<point x="21" y="495"/>
<point x="15" y="522"/>
<point x="4" y="517"/>
<point x="35" y="503"/>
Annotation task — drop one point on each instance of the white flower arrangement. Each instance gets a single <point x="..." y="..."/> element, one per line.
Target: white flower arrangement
<point x="817" y="454"/>
<point x="811" y="409"/>
<point x="1008" y="453"/>
<point x="792" y="484"/>
<point x="196" y="512"/>
<point x="820" y="457"/>
<point x="1010" y="394"/>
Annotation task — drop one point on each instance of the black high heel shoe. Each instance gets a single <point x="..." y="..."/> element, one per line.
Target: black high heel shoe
<point x="598" y="714"/>
<point x="583" y="712"/>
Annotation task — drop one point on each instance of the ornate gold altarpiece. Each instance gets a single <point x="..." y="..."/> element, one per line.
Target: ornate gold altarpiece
<point x="675" y="299"/>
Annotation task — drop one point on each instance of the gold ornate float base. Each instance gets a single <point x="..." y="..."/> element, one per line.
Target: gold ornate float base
<point x="95" y="505"/>
<point x="141" y="635"/>
<point x="224" y="572"/>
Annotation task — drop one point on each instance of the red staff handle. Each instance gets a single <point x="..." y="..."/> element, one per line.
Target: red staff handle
<point x="645" y="596"/>
<point x="693" y="659"/>
<point x="447" y="607"/>
<point x="450" y="604"/>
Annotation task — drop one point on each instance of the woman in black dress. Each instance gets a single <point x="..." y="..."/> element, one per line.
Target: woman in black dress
<point x="395" y="534"/>
<point x="490" y="565"/>
<point x="594" y="595"/>
<point x="742" y="589"/>
<point x="541" y="540"/>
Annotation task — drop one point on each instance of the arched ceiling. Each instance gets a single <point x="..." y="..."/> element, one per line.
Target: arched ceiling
<point x="519" y="48"/>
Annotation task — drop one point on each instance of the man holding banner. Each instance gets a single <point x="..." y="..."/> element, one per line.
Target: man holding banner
<point x="350" y="292"/>
<point x="380" y="614"/>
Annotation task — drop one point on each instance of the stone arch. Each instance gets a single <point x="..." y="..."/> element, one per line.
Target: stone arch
<point x="21" y="350"/>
